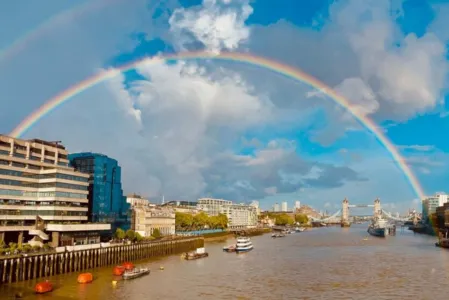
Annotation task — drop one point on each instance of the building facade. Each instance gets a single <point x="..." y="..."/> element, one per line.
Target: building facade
<point x="146" y="219"/>
<point x="239" y="215"/>
<point x="187" y="207"/>
<point x="137" y="200"/>
<point x="430" y="204"/>
<point x="211" y="206"/>
<point x="106" y="200"/>
<point x="284" y="206"/>
<point x="42" y="198"/>
<point x="297" y="205"/>
<point x="276" y="207"/>
<point x="257" y="206"/>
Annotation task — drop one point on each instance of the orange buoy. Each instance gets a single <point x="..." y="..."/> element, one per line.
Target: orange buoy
<point x="85" y="278"/>
<point x="128" y="265"/>
<point x="43" y="287"/>
<point x="118" y="270"/>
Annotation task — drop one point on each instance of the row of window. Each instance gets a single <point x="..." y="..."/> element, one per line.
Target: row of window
<point x="43" y="176"/>
<point x="42" y="194"/>
<point x="41" y="203"/>
<point x="43" y="185"/>
<point x="8" y="212"/>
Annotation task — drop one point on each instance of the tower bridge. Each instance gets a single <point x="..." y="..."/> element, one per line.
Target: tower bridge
<point x="344" y="219"/>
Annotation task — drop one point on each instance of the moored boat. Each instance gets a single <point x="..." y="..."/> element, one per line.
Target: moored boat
<point x="443" y="243"/>
<point x="244" y="244"/>
<point x="198" y="253"/>
<point x="277" y="235"/>
<point x="230" y="248"/>
<point x="378" y="227"/>
<point x="136" y="272"/>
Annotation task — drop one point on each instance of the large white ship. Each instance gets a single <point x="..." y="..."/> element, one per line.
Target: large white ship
<point x="244" y="244"/>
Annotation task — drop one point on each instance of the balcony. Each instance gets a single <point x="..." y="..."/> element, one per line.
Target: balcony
<point x="16" y="228"/>
<point x="78" y="227"/>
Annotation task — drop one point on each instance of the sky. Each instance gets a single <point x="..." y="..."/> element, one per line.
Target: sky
<point x="208" y="128"/>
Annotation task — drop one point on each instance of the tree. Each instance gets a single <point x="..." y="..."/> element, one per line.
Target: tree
<point x="301" y="218"/>
<point x="156" y="233"/>
<point x="222" y="221"/>
<point x="138" y="237"/>
<point x="283" y="219"/>
<point x="183" y="221"/>
<point x="200" y="220"/>
<point x="130" y="234"/>
<point x="120" y="234"/>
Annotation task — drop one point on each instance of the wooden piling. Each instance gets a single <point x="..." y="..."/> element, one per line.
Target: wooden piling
<point x="20" y="268"/>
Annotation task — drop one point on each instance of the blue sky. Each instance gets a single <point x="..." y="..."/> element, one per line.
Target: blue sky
<point x="210" y="128"/>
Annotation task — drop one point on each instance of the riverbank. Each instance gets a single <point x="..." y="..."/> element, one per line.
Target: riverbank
<point x="323" y="263"/>
<point x="221" y="236"/>
<point x="41" y="266"/>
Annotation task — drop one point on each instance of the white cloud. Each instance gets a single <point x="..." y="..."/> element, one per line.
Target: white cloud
<point x="421" y="148"/>
<point x="409" y="78"/>
<point x="362" y="52"/>
<point x="218" y="25"/>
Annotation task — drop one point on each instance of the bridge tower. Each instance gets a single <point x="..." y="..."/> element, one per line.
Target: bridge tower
<point x="345" y="214"/>
<point x="377" y="210"/>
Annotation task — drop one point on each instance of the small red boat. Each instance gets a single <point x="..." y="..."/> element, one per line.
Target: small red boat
<point x="85" y="278"/>
<point x="43" y="287"/>
<point x="118" y="270"/>
<point x="128" y="265"/>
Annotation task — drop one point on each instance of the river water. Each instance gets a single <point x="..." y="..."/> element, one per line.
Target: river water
<point x="322" y="263"/>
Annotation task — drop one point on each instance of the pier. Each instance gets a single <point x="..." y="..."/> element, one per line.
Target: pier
<point x="20" y="268"/>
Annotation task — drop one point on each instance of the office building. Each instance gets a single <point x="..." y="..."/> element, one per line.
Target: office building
<point x="284" y="206"/>
<point x="297" y="205"/>
<point x="239" y="215"/>
<point x="430" y="204"/>
<point x="146" y="219"/>
<point x="106" y="200"/>
<point x="276" y="207"/>
<point x="211" y="206"/>
<point x="256" y="205"/>
<point x="42" y="198"/>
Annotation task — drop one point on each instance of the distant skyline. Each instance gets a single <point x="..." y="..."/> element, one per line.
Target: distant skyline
<point x="228" y="129"/>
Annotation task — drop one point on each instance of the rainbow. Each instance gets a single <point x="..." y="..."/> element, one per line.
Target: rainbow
<point x="246" y="58"/>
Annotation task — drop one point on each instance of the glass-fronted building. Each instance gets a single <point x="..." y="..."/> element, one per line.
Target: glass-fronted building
<point x="106" y="200"/>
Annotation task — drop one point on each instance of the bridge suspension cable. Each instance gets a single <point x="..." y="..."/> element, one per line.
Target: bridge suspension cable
<point x="389" y="215"/>
<point x="328" y="218"/>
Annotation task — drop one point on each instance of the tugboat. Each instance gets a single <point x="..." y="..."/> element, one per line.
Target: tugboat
<point x="378" y="227"/>
<point x="199" y="253"/>
<point x="230" y="248"/>
<point x="244" y="244"/>
<point x="134" y="273"/>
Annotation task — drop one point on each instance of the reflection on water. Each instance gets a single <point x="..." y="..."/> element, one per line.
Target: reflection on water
<point x="325" y="263"/>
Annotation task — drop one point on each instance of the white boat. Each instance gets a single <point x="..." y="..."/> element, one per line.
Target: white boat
<point x="300" y="229"/>
<point x="135" y="273"/>
<point x="244" y="244"/>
